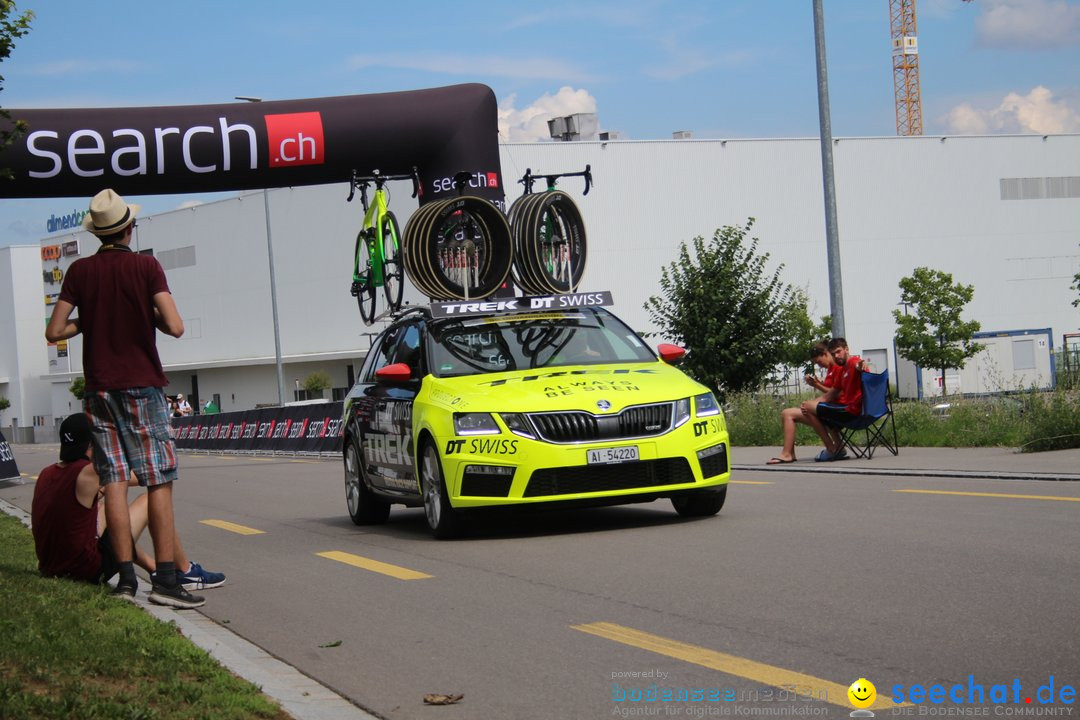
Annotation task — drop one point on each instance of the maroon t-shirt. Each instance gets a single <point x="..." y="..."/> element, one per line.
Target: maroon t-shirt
<point x="65" y="532"/>
<point x="114" y="292"/>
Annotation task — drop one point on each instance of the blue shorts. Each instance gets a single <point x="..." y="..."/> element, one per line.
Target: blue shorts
<point x="130" y="431"/>
<point x="833" y="414"/>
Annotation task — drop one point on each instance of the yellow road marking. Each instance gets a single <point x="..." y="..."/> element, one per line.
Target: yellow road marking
<point x="749" y="482"/>
<point x="993" y="495"/>
<point x="834" y="693"/>
<point x="374" y="565"/>
<point x="232" y="527"/>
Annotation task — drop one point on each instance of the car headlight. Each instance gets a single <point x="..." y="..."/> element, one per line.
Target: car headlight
<point x="682" y="411"/>
<point x="475" y="424"/>
<point x="518" y="424"/>
<point x="705" y="405"/>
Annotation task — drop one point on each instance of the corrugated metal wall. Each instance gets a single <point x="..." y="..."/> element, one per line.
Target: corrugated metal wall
<point x="902" y="202"/>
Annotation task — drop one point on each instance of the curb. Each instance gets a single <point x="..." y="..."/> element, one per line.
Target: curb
<point x="906" y="472"/>
<point x="299" y="695"/>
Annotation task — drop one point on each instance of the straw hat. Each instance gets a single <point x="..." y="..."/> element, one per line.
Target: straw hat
<point x="109" y="214"/>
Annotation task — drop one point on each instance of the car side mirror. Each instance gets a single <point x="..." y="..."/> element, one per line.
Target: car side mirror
<point x="398" y="372"/>
<point x="671" y="354"/>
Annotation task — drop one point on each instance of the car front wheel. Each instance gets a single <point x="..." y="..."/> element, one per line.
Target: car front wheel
<point x="444" y="521"/>
<point x="701" y="503"/>
<point x="364" y="507"/>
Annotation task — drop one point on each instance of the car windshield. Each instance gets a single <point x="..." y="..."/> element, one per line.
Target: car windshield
<point x="522" y="342"/>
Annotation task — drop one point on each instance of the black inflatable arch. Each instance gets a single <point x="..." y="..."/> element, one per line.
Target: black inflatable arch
<point x="239" y="146"/>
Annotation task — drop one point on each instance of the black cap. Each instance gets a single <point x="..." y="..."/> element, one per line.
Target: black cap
<point x="74" y="437"/>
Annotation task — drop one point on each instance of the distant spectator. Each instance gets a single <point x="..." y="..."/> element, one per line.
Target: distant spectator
<point x="184" y="405"/>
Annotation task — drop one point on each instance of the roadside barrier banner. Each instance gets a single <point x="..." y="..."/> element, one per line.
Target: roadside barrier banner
<point x="297" y="428"/>
<point x="8" y="468"/>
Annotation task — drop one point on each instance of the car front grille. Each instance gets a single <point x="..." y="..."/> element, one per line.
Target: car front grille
<point x="601" y="478"/>
<point x="577" y="426"/>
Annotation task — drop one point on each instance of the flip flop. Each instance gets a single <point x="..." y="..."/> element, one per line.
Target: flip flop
<point x="780" y="461"/>
<point x="824" y="456"/>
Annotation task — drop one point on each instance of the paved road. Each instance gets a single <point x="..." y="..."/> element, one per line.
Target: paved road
<point x="835" y="576"/>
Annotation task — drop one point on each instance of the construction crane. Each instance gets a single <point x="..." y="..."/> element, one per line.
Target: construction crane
<point x="905" y="62"/>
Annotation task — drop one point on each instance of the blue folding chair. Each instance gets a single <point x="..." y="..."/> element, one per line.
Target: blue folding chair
<point x="875" y="422"/>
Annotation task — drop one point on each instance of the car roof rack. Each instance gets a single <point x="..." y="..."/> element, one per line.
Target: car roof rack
<point x="511" y="305"/>
<point x="404" y="311"/>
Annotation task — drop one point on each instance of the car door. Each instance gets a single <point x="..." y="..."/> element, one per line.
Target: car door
<point x="386" y="433"/>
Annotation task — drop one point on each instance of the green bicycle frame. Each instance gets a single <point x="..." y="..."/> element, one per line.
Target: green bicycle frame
<point x="373" y="230"/>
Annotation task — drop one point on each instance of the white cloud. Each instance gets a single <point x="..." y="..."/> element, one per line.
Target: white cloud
<point x="1028" y="24"/>
<point x="530" y="123"/>
<point x="1036" y="112"/>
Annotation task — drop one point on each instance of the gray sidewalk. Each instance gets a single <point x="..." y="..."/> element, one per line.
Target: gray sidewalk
<point x="994" y="463"/>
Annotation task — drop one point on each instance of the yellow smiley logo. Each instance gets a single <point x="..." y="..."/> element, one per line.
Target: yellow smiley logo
<point x="862" y="693"/>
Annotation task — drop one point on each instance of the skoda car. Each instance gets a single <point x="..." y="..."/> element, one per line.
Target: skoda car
<point x="488" y="405"/>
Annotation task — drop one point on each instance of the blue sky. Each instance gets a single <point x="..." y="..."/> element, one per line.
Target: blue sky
<point x="719" y="68"/>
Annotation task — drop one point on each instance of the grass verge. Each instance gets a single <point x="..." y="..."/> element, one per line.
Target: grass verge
<point x="71" y="651"/>
<point x="1032" y="422"/>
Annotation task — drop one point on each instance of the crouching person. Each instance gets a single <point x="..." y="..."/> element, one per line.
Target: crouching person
<point x="68" y="523"/>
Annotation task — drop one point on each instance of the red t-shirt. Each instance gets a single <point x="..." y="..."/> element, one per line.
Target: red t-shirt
<point x="832" y="376"/>
<point x="65" y="532"/>
<point x="851" y="385"/>
<point x="114" y="292"/>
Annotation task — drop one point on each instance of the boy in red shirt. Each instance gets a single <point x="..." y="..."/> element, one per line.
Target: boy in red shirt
<point x="844" y="402"/>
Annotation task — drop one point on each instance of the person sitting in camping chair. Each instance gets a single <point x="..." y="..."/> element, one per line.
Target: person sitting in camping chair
<point x="842" y="404"/>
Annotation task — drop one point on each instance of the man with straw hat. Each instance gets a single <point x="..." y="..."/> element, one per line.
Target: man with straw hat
<point x="122" y="296"/>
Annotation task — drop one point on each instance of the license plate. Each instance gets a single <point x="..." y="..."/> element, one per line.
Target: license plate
<point x="607" y="456"/>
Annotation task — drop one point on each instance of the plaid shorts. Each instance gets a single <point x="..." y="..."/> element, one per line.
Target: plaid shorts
<point x="130" y="433"/>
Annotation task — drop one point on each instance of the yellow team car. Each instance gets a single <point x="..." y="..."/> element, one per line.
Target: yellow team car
<point x="526" y="401"/>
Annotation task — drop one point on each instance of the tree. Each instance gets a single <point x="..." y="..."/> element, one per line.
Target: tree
<point x="934" y="336"/>
<point x="78" y="387"/>
<point x="11" y="29"/>
<point x="735" y="318"/>
<point x="316" y="382"/>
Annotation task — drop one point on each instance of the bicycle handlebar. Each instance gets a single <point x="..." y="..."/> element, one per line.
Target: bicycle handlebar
<point x="528" y="179"/>
<point x="376" y="177"/>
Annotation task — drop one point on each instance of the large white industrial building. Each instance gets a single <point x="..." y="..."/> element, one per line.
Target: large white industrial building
<point x="999" y="212"/>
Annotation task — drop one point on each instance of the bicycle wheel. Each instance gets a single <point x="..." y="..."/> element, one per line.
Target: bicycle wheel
<point x="552" y="243"/>
<point x="393" y="267"/>
<point x="413" y="241"/>
<point x="467" y="250"/>
<point x="526" y="277"/>
<point x="363" y="287"/>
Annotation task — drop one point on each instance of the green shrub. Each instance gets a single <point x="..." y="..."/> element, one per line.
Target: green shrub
<point x="754" y="420"/>
<point x="1052" y="421"/>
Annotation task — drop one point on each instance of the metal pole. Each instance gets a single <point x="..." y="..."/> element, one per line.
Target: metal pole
<point x="273" y="302"/>
<point x="273" y="283"/>
<point x="832" y="240"/>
